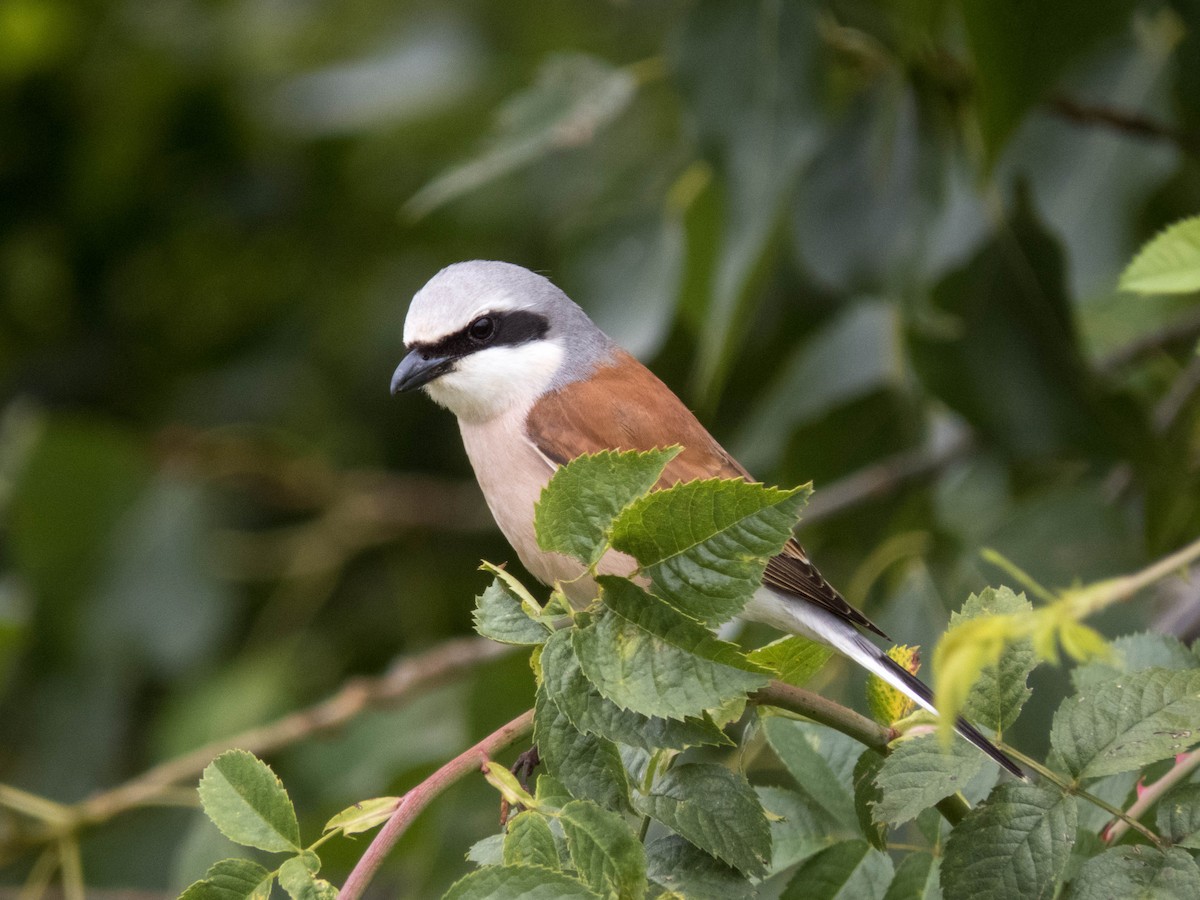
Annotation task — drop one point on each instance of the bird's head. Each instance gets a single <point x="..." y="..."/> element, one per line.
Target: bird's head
<point x="485" y="337"/>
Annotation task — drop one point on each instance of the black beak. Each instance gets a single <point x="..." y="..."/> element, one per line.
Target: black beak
<point x="416" y="370"/>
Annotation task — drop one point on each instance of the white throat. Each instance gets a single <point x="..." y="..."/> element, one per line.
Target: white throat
<point x="490" y="382"/>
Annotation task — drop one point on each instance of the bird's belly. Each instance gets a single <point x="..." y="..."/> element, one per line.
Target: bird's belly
<point x="512" y="473"/>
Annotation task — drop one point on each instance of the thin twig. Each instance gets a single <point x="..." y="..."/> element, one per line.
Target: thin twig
<point x="406" y="678"/>
<point x="1124" y="121"/>
<point x="1184" y="766"/>
<point x="419" y="797"/>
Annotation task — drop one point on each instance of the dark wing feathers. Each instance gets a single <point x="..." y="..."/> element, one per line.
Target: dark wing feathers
<point x="627" y="400"/>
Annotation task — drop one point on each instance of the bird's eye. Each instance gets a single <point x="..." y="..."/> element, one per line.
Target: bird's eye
<point x="482" y="329"/>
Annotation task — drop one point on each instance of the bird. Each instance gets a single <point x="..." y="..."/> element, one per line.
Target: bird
<point x="535" y="383"/>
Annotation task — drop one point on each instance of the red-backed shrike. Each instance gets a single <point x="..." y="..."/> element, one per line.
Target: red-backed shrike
<point x="534" y="383"/>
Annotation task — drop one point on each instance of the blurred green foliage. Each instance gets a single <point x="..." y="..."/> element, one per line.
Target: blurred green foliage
<point x="849" y="233"/>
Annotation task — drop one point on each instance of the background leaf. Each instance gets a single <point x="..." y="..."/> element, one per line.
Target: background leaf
<point x="1169" y="263"/>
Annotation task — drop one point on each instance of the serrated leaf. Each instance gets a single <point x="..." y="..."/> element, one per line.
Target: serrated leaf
<point x="589" y="767"/>
<point x="550" y="792"/>
<point x="232" y="879"/>
<point x="685" y="869"/>
<point x="705" y="544"/>
<point x="1128" y="722"/>
<point x="248" y="803"/>
<point x="1169" y="263"/>
<point x="866" y="795"/>
<point x="605" y="853"/>
<point x="300" y="881"/>
<point x="1001" y="689"/>
<point x="716" y="810"/>
<point x="1137" y="873"/>
<point x="887" y="704"/>
<point x="488" y="851"/>
<point x="583" y="498"/>
<point x="519" y="883"/>
<point x="645" y="656"/>
<point x="851" y="870"/>
<point x="793" y="659"/>
<point x="1133" y="653"/>
<point x="363" y="816"/>
<point x="916" y="878"/>
<point x="1179" y="816"/>
<point x="590" y="712"/>
<point x="530" y="842"/>
<point x="798" y="746"/>
<point x="961" y="656"/>
<point x="1014" y="844"/>
<point x="500" y="616"/>
<point x="573" y="97"/>
<point x="919" y="772"/>
<point x="799" y="827"/>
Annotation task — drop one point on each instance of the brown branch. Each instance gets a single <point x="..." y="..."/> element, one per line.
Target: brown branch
<point x="412" y="803"/>
<point x="407" y="677"/>
<point x="1126" y="122"/>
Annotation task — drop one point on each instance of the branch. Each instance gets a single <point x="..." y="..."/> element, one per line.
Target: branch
<point x="1184" y="766"/>
<point x="406" y="677"/>
<point x="412" y="803"/>
<point x="819" y="709"/>
<point x="1126" y="122"/>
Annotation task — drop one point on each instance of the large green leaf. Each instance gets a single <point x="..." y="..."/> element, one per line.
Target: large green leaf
<point x="851" y="870"/>
<point x="1133" y="653"/>
<point x="232" y="879"/>
<point x="501" y="616"/>
<point x="573" y="95"/>
<point x="866" y="795"/>
<point x="716" y="810"/>
<point x="1015" y="844"/>
<point x="644" y="656"/>
<point x="916" y="878"/>
<point x="590" y="712"/>
<point x="1134" y="873"/>
<point x="1179" y="816"/>
<point x="799" y="826"/>
<point x="248" y="803"/>
<point x="588" y="766"/>
<point x="797" y="744"/>
<point x="678" y="865"/>
<point x="528" y="841"/>
<point x="1169" y="263"/>
<point x="519" y="883"/>
<point x="605" y="853"/>
<point x="919" y="772"/>
<point x="583" y="497"/>
<point x="705" y="544"/>
<point x="1128" y="722"/>
<point x="996" y="698"/>
<point x="793" y="659"/>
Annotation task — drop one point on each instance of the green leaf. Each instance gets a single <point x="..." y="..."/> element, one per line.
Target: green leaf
<point x="1128" y="722"/>
<point x="851" y="870"/>
<point x="589" y="767"/>
<point x="1021" y="49"/>
<point x="363" y="816"/>
<point x="1169" y="263"/>
<point x="232" y="879"/>
<point x="799" y="827"/>
<point x="866" y="795"/>
<point x="1015" y="844"/>
<point x="530" y="842"/>
<point x="581" y="702"/>
<point x="1133" y="653"/>
<point x="716" y="810"/>
<point x="519" y="883"/>
<point x="996" y="698"/>
<point x="1137" y="873"/>
<point x="488" y="851"/>
<point x="682" y="867"/>
<point x="501" y="616"/>
<point x="1179" y="816"/>
<point x="705" y="544"/>
<point x="247" y="802"/>
<point x="573" y="96"/>
<point x="643" y="655"/>
<point x="962" y="655"/>
<point x="919" y="772"/>
<point x="605" y="853"/>
<point x="793" y="659"/>
<point x="298" y="878"/>
<point x="503" y="780"/>
<point x="889" y="704"/>
<point x="583" y="498"/>
<point x="798" y="745"/>
<point x="916" y="878"/>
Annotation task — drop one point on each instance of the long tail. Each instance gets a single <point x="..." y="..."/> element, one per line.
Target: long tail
<point x="792" y="614"/>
